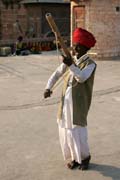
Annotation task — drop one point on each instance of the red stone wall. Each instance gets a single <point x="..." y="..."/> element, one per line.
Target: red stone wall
<point x="9" y="27"/>
<point x="102" y="17"/>
<point x="31" y="17"/>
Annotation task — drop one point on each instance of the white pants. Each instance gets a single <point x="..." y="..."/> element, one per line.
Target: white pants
<point x="74" y="143"/>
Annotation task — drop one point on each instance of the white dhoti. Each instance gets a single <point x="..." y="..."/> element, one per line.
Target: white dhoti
<point x="73" y="139"/>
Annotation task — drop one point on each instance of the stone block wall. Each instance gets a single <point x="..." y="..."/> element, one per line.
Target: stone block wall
<point x="102" y="18"/>
<point x="13" y="21"/>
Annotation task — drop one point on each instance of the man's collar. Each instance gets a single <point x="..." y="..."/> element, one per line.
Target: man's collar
<point x="81" y="59"/>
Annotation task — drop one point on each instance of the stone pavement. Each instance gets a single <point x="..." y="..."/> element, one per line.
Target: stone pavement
<point x="29" y="142"/>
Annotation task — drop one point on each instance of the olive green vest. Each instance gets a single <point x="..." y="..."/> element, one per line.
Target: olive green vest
<point x="81" y="95"/>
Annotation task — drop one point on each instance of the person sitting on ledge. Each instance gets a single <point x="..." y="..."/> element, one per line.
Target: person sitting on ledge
<point x="21" y="48"/>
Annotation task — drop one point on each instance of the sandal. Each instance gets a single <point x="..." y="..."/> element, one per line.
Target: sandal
<point x="73" y="164"/>
<point x="85" y="163"/>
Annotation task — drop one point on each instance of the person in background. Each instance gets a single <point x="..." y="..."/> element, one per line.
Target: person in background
<point x="79" y="72"/>
<point x="21" y="47"/>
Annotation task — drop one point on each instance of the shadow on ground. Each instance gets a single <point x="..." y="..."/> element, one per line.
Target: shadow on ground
<point x="107" y="170"/>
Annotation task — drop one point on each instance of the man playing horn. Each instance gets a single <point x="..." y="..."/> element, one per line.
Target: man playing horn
<point x="75" y="100"/>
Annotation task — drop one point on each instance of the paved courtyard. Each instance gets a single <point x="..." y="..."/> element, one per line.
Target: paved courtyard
<point x="29" y="142"/>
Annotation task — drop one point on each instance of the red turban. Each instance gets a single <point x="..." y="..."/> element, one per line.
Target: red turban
<point x="83" y="37"/>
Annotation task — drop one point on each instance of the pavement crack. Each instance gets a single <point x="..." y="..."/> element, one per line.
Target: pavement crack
<point x="32" y="105"/>
<point x="56" y="100"/>
<point x="11" y="71"/>
<point x="106" y="91"/>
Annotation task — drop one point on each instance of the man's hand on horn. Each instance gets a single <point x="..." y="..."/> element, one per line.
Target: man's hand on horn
<point x="67" y="60"/>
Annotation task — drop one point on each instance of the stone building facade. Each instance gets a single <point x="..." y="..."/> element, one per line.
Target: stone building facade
<point x="27" y="18"/>
<point x="102" y="18"/>
<point x="13" y="20"/>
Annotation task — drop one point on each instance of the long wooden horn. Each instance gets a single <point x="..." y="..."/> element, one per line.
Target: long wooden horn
<point x="55" y="30"/>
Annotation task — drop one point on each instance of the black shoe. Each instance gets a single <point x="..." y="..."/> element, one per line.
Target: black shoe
<point x="85" y="163"/>
<point x="73" y="164"/>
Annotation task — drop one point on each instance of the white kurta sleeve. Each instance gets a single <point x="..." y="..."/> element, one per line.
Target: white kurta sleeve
<point x="84" y="74"/>
<point x="55" y="76"/>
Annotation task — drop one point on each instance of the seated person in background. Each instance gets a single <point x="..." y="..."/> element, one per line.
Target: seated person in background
<point x="20" y="47"/>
